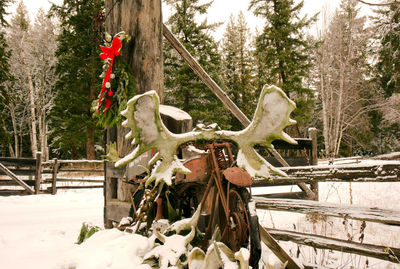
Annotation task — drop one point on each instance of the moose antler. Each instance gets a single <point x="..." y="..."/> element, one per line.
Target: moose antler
<point x="148" y="132"/>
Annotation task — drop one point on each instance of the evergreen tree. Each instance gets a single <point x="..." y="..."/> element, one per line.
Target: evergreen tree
<point x="387" y="76"/>
<point x="387" y="68"/>
<point x="78" y="70"/>
<point x="283" y="53"/>
<point x="237" y="66"/>
<point x="183" y="88"/>
<point x="5" y="135"/>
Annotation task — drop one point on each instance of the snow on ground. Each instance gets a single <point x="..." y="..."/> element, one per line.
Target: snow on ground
<point x="36" y="230"/>
<point x="40" y="231"/>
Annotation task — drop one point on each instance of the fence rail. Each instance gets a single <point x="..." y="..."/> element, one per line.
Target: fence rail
<point x="21" y="170"/>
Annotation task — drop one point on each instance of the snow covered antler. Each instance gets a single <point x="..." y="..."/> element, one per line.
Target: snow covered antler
<point x="271" y="117"/>
<point x="148" y="132"/>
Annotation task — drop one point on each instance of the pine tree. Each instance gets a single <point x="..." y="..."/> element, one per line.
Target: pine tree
<point x="183" y="88"/>
<point x="283" y="53"/>
<point x="387" y="76"/>
<point x="5" y="134"/>
<point x="237" y="66"/>
<point x="78" y="68"/>
<point x="388" y="64"/>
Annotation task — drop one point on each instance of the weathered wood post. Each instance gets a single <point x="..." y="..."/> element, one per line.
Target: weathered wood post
<point x="38" y="171"/>
<point x="312" y="133"/>
<point x="142" y="21"/>
<point x="54" y="178"/>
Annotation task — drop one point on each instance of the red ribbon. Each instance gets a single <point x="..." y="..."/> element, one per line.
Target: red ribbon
<point x="108" y="54"/>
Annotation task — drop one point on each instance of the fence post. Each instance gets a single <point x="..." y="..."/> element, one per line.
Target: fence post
<point x="312" y="132"/>
<point x="54" y="179"/>
<point x="38" y="172"/>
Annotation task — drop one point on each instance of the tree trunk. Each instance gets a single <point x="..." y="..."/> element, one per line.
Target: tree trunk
<point x="142" y="20"/>
<point x="33" y="134"/>
<point x="90" y="155"/>
<point x="15" y="152"/>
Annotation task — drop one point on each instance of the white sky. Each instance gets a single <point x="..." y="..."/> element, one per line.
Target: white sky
<point x="218" y="12"/>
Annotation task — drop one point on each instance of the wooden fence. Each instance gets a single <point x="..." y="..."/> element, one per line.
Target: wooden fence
<point x="36" y="177"/>
<point x="344" y="173"/>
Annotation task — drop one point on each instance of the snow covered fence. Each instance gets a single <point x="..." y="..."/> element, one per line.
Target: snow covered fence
<point x="15" y="169"/>
<point x="376" y="171"/>
<point x="69" y="174"/>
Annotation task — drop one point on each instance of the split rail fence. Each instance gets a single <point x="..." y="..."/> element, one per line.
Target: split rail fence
<point x="38" y="177"/>
<point x="313" y="175"/>
<point x="35" y="176"/>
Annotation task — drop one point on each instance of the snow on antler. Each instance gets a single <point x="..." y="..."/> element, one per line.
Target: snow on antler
<point x="270" y="118"/>
<point x="148" y="132"/>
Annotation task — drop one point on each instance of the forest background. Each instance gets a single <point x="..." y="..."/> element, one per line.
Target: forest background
<point x="340" y="66"/>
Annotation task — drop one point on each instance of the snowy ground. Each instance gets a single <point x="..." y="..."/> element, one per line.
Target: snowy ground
<point x="41" y="231"/>
<point x="36" y="230"/>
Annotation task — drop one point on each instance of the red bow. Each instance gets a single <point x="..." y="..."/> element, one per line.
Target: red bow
<point x="108" y="54"/>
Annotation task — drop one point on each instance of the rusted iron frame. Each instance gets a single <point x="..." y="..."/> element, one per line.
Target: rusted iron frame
<point x="218" y="181"/>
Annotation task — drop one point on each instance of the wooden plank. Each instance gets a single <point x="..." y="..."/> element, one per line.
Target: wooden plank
<point x="271" y="243"/>
<point x="82" y="187"/>
<point x="115" y="172"/>
<point x="14" y="177"/>
<point x="292" y="161"/>
<point x="9" y="182"/>
<point x="47" y="181"/>
<point x="79" y="170"/>
<point x="323" y="242"/>
<point x="7" y="161"/>
<point x="20" y="172"/>
<point x="286" y="195"/>
<point x="345" y="173"/>
<point x="116" y="210"/>
<point x="373" y="214"/>
<point x="76" y="162"/>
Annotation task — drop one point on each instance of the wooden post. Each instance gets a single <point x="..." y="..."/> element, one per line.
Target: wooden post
<point x="54" y="179"/>
<point x="142" y="20"/>
<point x="38" y="171"/>
<point x="312" y="132"/>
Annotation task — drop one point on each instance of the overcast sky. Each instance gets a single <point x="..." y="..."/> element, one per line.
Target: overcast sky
<point x="218" y="12"/>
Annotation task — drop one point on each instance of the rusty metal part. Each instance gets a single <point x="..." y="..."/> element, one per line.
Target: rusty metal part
<point x="200" y="170"/>
<point x="159" y="214"/>
<point x="237" y="176"/>
<point x="237" y="229"/>
<point x="210" y="222"/>
<point x="218" y="181"/>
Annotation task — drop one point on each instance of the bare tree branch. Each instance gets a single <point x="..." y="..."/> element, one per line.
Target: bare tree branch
<point x="377" y="4"/>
